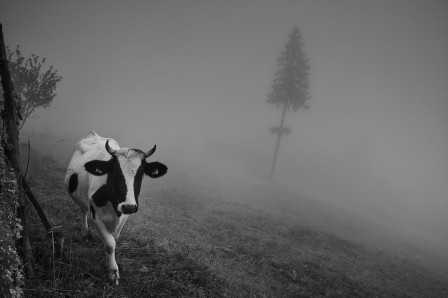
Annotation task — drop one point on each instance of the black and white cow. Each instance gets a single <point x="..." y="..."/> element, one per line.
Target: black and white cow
<point x="105" y="179"/>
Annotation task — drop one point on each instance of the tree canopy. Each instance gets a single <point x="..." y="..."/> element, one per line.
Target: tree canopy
<point x="291" y="83"/>
<point x="34" y="86"/>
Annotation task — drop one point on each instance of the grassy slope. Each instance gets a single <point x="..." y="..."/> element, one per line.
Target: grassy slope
<point x="207" y="234"/>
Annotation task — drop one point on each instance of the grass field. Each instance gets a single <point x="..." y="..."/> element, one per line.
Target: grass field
<point x="201" y="233"/>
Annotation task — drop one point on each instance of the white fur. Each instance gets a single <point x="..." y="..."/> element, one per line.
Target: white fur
<point x="107" y="223"/>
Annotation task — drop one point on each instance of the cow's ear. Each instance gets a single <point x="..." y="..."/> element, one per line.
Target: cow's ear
<point x="154" y="169"/>
<point x="98" y="167"/>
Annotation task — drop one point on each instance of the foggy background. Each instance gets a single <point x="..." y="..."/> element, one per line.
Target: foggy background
<point x="193" y="78"/>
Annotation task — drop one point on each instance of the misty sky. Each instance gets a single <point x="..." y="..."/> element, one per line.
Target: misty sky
<point x="193" y="78"/>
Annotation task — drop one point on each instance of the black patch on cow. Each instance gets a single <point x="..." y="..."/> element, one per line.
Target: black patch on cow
<point x="138" y="182"/>
<point x="117" y="181"/>
<point x="101" y="196"/>
<point x="114" y="191"/>
<point x="92" y="210"/>
<point x="99" y="167"/>
<point x="73" y="182"/>
<point x="154" y="169"/>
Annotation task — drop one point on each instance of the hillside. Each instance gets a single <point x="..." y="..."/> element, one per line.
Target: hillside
<point x="208" y="233"/>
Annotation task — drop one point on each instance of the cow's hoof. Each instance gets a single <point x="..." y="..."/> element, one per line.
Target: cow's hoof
<point x="114" y="277"/>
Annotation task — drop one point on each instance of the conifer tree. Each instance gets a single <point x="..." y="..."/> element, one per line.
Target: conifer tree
<point x="290" y="86"/>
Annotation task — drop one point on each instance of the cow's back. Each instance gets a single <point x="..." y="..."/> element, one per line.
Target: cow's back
<point x="78" y="181"/>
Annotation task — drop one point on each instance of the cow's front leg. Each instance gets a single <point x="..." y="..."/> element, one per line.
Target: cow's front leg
<point x="121" y="221"/>
<point x="109" y="247"/>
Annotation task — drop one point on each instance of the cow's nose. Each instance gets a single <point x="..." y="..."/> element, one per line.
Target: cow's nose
<point x="129" y="208"/>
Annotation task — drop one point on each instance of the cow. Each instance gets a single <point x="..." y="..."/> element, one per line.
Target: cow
<point x="105" y="180"/>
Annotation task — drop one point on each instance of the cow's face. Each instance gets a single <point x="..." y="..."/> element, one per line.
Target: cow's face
<point x="125" y="173"/>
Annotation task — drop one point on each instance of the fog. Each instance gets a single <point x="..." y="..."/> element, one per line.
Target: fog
<point x="193" y="78"/>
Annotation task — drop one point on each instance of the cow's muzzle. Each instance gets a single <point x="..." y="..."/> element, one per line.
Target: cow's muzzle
<point x="129" y="208"/>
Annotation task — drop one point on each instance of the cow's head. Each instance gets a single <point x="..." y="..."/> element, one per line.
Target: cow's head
<point x="125" y="173"/>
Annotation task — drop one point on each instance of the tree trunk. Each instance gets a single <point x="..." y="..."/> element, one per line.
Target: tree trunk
<point x="12" y="148"/>
<point x="279" y="135"/>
